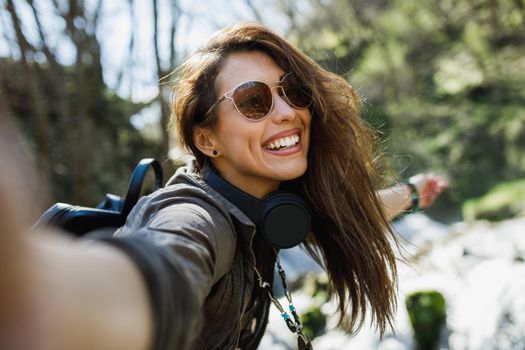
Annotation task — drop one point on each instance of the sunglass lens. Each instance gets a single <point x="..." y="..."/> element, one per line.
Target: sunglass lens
<point x="253" y="99"/>
<point x="298" y="94"/>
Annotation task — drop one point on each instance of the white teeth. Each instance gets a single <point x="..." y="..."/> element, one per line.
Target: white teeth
<point x="287" y="141"/>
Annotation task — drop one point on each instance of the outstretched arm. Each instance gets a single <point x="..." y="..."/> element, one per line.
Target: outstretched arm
<point x="396" y="199"/>
<point x="133" y="291"/>
<point x="57" y="293"/>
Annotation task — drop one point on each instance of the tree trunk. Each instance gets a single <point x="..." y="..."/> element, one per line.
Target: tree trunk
<point x="164" y="96"/>
<point x="37" y="101"/>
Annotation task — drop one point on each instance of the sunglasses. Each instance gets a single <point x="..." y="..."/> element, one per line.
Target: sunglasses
<point x="254" y="99"/>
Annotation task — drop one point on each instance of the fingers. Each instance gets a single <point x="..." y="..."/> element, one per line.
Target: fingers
<point x="429" y="187"/>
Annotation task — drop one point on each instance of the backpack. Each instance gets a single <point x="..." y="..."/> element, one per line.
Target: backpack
<point x="110" y="214"/>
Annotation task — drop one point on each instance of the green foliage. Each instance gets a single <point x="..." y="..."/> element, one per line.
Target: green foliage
<point x="316" y="286"/>
<point x="427" y="314"/>
<point x="444" y="82"/>
<point x="504" y="201"/>
<point x="314" y="322"/>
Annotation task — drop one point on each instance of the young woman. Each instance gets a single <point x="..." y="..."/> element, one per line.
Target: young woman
<point x="191" y="269"/>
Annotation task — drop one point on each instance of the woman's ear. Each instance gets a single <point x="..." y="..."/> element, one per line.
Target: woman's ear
<point x="204" y="141"/>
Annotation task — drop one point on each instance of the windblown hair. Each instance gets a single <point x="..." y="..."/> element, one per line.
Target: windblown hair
<point x="351" y="236"/>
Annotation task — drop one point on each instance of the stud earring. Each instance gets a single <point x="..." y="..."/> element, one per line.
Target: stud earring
<point x="215" y="152"/>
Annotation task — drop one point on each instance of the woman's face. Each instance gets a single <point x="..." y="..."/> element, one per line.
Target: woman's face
<point x="247" y="154"/>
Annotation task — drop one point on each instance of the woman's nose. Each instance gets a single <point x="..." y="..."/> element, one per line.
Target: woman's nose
<point x="282" y="111"/>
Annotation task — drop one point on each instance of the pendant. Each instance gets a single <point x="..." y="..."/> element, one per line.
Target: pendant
<point x="303" y="343"/>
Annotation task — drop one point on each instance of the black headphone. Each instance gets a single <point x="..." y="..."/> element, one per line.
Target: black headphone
<point x="283" y="219"/>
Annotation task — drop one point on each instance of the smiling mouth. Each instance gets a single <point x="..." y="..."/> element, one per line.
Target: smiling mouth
<point x="283" y="143"/>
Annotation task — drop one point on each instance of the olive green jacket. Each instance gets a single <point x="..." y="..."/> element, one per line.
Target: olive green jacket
<point x="195" y="251"/>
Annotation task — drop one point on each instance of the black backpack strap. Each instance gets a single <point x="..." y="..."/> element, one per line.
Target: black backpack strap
<point x="135" y="184"/>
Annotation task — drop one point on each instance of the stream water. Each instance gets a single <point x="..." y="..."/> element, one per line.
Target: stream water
<point x="478" y="267"/>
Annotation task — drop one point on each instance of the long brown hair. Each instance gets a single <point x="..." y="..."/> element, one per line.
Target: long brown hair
<point x="351" y="236"/>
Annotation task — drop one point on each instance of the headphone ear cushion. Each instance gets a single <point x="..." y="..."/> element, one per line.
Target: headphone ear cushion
<point x="286" y="219"/>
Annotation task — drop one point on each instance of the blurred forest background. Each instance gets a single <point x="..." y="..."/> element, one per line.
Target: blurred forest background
<point x="444" y="81"/>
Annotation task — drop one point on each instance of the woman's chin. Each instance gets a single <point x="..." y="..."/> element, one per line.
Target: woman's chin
<point x="290" y="173"/>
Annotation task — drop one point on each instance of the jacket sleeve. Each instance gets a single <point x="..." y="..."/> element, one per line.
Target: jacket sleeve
<point x="182" y="248"/>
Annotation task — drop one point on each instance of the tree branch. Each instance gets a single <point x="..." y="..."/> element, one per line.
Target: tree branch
<point x="128" y="65"/>
<point x="37" y="101"/>
<point x="254" y="10"/>
<point x="45" y="48"/>
<point x="3" y="23"/>
<point x="96" y="14"/>
<point x="176" y="13"/>
<point x="156" y="37"/>
<point x="24" y="45"/>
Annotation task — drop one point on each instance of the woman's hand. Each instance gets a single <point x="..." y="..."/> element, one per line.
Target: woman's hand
<point x="429" y="187"/>
<point x="397" y="199"/>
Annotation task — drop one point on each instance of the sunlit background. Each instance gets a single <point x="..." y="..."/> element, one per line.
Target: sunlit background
<point x="88" y="83"/>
